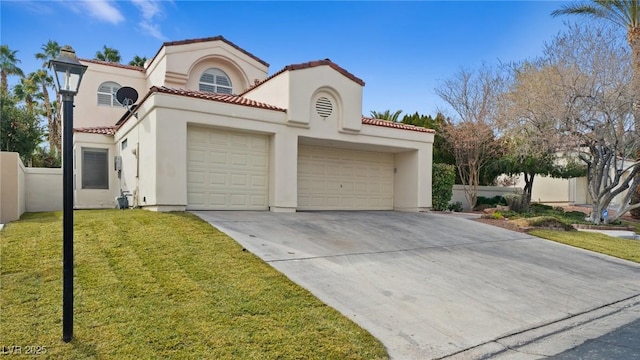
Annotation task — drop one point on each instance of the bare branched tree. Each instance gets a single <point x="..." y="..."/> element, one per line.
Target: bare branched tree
<point x="528" y="120"/>
<point x="594" y="74"/>
<point x="473" y="96"/>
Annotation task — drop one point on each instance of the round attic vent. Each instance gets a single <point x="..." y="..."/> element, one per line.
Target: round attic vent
<point x="324" y="107"/>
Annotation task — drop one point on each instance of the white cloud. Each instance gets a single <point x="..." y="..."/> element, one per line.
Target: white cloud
<point x="103" y="10"/>
<point x="150" y="12"/>
<point x="37" y="7"/>
<point x="153" y="30"/>
<point x="148" y="8"/>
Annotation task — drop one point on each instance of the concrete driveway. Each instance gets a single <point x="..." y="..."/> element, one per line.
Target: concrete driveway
<point x="431" y="285"/>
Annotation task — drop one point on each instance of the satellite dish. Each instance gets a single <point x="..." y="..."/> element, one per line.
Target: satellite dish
<point x="127" y="96"/>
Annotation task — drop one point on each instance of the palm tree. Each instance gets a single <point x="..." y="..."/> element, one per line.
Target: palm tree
<point x="386" y="115"/>
<point x="50" y="51"/>
<point x="108" y="54"/>
<point x="626" y="14"/>
<point x="45" y="81"/>
<point x="27" y="91"/>
<point x="9" y="64"/>
<point x="138" y="61"/>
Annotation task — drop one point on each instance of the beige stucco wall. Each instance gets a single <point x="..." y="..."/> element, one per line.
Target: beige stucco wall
<point x="405" y="163"/>
<point x="157" y="72"/>
<point x="548" y="189"/>
<point x="297" y="91"/>
<point x="175" y="66"/>
<point x="87" y="112"/>
<point x="24" y="189"/>
<point x="22" y="203"/>
<point x="94" y="198"/>
<point x="192" y="59"/>
<point x="486" y="191"/>
<point x="43" y="189"/>
<point x="162" y="128"/>
<point x="274" y="92"/>
<point x="12" y="197"/>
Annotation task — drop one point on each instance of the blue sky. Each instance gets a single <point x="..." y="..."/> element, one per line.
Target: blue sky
<point x="402" y="50"/>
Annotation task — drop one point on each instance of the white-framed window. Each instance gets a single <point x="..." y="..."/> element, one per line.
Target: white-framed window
<point x="215" y="81"/>
<point x="95" y="168"/>
<point x="107" y="94"/>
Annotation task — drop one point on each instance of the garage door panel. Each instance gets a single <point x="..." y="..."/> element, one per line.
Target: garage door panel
<point x="259" y="161"/>
<point x="259" y="181"/>
<point x="196" y="198"/>
<point x="217" y="179"/>
<point x="339" y="179"/>
<point x="216" y="158"/>
<point x="226" y="170"/>
<point x="196" y="177"/>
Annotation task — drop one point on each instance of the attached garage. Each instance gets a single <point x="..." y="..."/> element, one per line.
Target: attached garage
<point x="342" y="179"/>
<point x="227" y="170"/>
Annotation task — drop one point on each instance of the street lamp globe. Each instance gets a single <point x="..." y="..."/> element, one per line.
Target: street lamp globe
<point x="68" y="71"/>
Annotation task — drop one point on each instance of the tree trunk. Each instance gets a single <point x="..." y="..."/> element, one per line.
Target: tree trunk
<point x="634" y="43"/>
<point x="3" y="80"/>
<point x="528" y="190"/>
<point x="50" y="120"/>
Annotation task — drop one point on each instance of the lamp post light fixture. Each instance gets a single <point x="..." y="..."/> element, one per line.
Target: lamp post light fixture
<point x="68" y="74"/>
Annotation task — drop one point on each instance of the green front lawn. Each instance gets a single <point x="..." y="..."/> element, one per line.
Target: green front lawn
<point x="621" y="248"/>
<point x="160" y="285"/>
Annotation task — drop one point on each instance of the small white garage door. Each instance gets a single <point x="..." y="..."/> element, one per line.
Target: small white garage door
<point x="339" y="179"/>
<point x="226" y="170"/>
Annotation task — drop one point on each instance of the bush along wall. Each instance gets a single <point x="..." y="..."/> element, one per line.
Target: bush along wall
<point x="443" y="178"/>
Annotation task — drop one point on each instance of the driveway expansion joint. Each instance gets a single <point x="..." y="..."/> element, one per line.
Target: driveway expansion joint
<point x="394" y="251"/>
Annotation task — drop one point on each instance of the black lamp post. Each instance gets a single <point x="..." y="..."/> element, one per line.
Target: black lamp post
<point x="68" y="73"/>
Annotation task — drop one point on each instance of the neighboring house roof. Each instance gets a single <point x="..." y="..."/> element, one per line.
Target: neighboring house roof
<point x="307" y="65"/>
<point x="396" y="125"/>
<point x="213" y="38"/>
<point x="107" y="63"/>
<point x="101" y="130"/>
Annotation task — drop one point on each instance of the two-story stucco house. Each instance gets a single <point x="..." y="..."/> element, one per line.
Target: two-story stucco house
<point x="212" y="131"/>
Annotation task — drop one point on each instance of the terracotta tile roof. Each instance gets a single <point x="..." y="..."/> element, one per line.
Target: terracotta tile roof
<point x="229" y="99"/>
<point x="107" y="63"/>
<point x="396" y="125"/>
<point x="213" y="38"/>
<point x="102" y="130"/>
<point x="225" y="98"/>
<point x="307" y="65"/>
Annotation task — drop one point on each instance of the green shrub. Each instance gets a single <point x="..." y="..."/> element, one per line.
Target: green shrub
<point x="575" y="215"/>
<point x="509" y="214"/>
<point x="443" y="177"/>
<point x="541" y="208"/>
<point x="497" y="215"/>
<point x="496" y="200"/>
<point x="456" y="206"/>
<point x="550" y="222"/>
<point x="515" y="202"/>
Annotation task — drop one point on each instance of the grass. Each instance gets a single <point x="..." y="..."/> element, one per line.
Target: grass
<point x="621" y="248"/>
<point x="161" y="285"/>
<point x="635" y="225"/>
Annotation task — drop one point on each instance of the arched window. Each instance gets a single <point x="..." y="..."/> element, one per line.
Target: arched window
<point x="215" y="81"/>
<point x="107" y="94"/>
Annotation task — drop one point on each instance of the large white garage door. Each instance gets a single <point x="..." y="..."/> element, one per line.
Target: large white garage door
<point x="226" y="170"/>
<point x="339" y="179"/>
